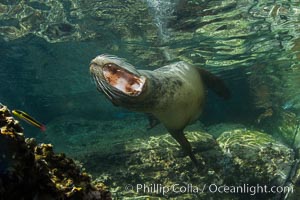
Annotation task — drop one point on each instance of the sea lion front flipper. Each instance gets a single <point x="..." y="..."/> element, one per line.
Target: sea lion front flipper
<point x="214" y="83"/>
<point x="179" y="136"/>
<point x="153" y="121"/>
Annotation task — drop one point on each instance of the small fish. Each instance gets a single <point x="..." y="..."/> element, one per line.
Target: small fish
<point x="27" y="118"/>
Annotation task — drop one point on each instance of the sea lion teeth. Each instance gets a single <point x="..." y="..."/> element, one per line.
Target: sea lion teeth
<point x="174" y="94"/>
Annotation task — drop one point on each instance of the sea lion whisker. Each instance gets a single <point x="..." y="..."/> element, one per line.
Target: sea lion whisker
<point x="92" y="79"/>
<point x="119" y="93"/>
<point x="107" y="91"/>
<point x="97" y="82"/>
<point x="101" y="86"/>
<point x="114" y="93"/>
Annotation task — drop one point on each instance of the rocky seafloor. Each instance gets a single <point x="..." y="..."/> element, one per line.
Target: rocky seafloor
<point x="137" y="163"/>
<point x="33" y="171"/>
<point x="128" y="161"/>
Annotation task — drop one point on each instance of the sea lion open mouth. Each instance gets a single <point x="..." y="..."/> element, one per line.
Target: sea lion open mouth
<point x="123" y="80"/>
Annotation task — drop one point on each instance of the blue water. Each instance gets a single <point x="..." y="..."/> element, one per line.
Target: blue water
<point x="46" y="48"/>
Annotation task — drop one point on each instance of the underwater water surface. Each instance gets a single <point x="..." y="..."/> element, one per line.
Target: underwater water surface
<point x="254" y="46"/>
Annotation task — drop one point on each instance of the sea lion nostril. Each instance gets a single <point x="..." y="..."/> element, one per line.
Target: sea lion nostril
<point x="94" y="66"/>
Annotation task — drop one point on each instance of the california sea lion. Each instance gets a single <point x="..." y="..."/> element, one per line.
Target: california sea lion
<point x="174" y="94"/>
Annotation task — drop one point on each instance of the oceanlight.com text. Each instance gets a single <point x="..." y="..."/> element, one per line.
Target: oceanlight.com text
<point x="207" y="188"/>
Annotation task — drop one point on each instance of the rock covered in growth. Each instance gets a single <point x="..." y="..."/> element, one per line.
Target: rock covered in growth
<point x="256" y="157"/>
<point x="286" y="129"/>
<point x="159" y="160"/>
<point x="17" y="174"/>
<point x="239" y="157"/>
<point x="31" y="171"/>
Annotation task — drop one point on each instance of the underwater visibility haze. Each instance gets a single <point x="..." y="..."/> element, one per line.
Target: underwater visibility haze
<point x="249" y="142"/>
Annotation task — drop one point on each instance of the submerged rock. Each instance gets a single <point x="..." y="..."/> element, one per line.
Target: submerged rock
<point x="31" y="171"/>
<point x="286" y="129"/>
<point x="256" y="157"/>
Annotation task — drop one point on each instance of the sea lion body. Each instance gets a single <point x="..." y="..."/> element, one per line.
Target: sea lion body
<point x="174" y="94"/>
